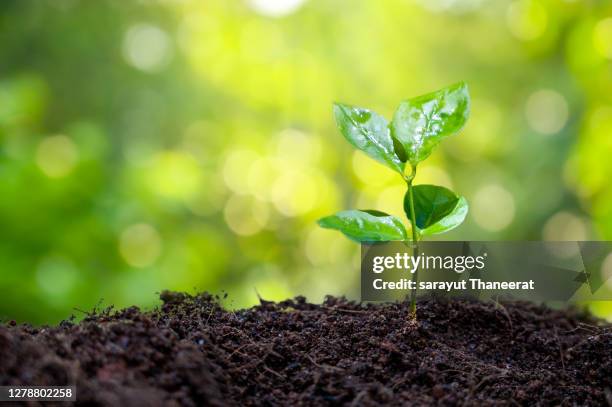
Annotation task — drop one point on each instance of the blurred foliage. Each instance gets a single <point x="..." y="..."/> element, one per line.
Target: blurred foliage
<point x="191" y="145"/>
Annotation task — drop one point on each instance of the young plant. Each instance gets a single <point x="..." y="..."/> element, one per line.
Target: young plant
<point x="418" y="125"/>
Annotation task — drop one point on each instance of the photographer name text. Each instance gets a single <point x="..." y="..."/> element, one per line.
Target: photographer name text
<point x="469" y="284"/>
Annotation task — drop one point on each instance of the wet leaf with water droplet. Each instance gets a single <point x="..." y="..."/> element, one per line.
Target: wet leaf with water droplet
<point x="369" y="132"/>
<point x="420" y="123"/>
<point x="366" y="225"/>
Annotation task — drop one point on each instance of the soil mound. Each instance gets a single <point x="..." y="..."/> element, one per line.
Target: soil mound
<point x="192" y="352"/>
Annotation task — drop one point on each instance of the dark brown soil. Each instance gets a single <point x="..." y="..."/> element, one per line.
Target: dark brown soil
<point x="192" y="352"/>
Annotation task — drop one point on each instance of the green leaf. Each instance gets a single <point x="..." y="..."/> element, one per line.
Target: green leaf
<point x="399" y="150"/>
<point x="438" y="209"/>
<point x="369" y="132"/>
<point x="420" y="123"/>
<point x="366" y="226"/>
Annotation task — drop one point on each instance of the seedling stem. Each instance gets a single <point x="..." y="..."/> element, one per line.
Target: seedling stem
<point x="415" y="238"/>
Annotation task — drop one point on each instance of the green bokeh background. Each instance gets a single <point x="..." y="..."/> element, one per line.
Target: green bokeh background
<point x="190" y="145"/>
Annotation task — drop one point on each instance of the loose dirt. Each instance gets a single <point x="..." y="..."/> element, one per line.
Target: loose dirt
<point x="192" y="352"/>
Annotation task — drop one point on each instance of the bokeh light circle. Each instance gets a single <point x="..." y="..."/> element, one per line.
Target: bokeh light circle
<point x="493" y="207"/>
<point x="275" y="8"/>
<point x="526" y="19"/>
<point x="246" y="215"/>
<point x="140" y="245"/>
<point x="56" y="275"/>
<point x="56" y="156"/>
<point x="546" y="111"/>
<point x="602" y="37"/>
<point x="147" y="47"/>
<point x="565" y="226"/>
